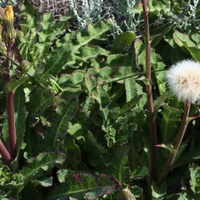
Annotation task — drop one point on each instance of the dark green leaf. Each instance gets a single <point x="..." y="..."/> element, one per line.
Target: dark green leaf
<point x="195" y="178"/>
<point x="37" y="166"/>
<point x="158" y="192"/>
<point x="40" y="100"/>
<point x="12" y="86"/>
<point x="58" y="60"/>
<point x="183" y="40"/>
<point x="119" y="162"/>
<point x="84" y="186"/>
<point x="123" y="41"/>
<point x="140" y="173"/>
<point x="20" y="116"/>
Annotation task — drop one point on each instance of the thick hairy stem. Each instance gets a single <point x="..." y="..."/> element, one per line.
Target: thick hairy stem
<point x="149" y="92"/>
<point x="177" y="144"/>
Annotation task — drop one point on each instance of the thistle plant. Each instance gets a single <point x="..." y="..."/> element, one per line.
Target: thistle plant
<point x="183" y="80"/>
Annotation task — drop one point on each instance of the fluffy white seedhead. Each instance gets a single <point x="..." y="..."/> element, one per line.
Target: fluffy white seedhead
<point x="184" y="80"/>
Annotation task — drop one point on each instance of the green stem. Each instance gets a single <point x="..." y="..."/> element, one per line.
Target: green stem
<point x="177" y="144"/>
<point x="149" y="92"/>
<point x="125" y="77"/>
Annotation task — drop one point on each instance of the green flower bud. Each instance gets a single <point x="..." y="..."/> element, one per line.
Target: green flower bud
<point x="126" y="195"/>
<point x="8" y="32"/>
<point x="3" y="48"/>
<point x="24" y="66"/>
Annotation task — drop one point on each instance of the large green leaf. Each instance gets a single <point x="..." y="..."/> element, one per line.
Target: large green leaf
<point x="118" y="60"/>
<point x="123" y="41"/>
<point x="87" y="52"/>
<point x="64" y="112"/>
<point x="84" y="186"/>
<point x="189" y="157"/>
<point x="31" y="192"/>
<point x="12" y="86"/>
<point x="98" y="155"/>
<point x="183" y="40"/>
<point x="40" y="100"/>
<point x="20" y="116"/>
<point x="58" y="60"/>
<point x="93" y="32"/>
<point x="67" y="53"/>
<point x="119" y="163"/>
<point x="43" y="162"/>
<point x="130" y="89"/>
<point x="72" y="151"/>
<point x="139" y="173"/>
<point x="170" y="123"/>
<point x="159" y="102"/>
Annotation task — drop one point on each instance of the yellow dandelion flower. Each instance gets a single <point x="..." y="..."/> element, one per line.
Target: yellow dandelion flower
<point x="8" y="32"/>
<point x="9" y="14"/>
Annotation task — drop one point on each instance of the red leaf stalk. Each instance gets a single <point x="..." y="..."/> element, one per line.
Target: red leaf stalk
<point x="149" y="92"/>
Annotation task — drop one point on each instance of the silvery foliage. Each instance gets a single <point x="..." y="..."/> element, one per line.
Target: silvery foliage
<point x="3" y="3"/>
<point x="192" y="16"/>
<point x="186" y="19"/>
<point x="122" y="14"/>
<point x="125" y="16"/>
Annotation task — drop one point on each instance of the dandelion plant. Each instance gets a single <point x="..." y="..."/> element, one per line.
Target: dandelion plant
<point x="184" y="81"/>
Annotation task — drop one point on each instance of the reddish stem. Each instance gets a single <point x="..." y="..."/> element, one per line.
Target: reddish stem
<point x="177" y="144"/>
<point x="5" y="154"/>
<point x="10" y="105"/>
<point x="149" y="92"/>
<point x="11" y="123"/>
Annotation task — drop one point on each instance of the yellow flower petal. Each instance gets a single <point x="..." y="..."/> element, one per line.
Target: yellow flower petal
<point x="8" y="13"/>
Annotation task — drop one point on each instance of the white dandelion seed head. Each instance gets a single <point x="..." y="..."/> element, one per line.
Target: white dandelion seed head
<point x="184" y="80"/>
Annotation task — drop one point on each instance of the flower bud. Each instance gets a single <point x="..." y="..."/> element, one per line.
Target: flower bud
<point x="24" y="66"/>
<point x="8" y="14"/>
<point x="126" y="195"/>
<point x="2" y="44"/>
<point x="8" y="32"/>
<point x="3" y="48"/>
